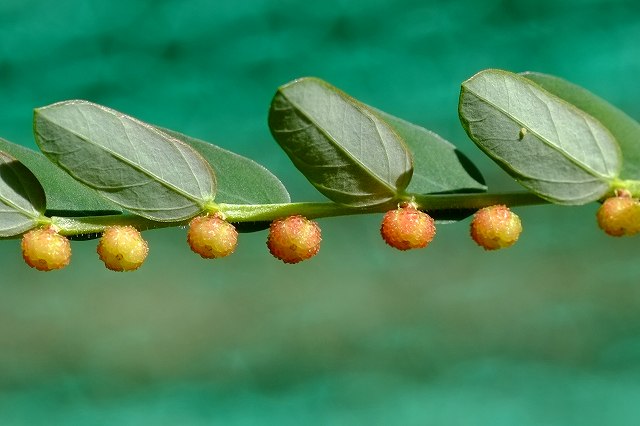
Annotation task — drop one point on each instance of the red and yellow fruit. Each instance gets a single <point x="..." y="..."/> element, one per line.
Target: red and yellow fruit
<point x="45" y="249"/>
<point x="407" y="228"/>
<point x="495" y="227"/>
<point x="122" y="248"/>
<point x="294" y="239"/>
<point x="619" y="216"/>
<point x="212" y="237"/>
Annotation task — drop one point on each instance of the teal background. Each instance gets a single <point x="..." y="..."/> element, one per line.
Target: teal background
<point x="545" y="333"/>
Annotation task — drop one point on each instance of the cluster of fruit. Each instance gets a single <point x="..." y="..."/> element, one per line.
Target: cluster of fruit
<point x="296" y="238"/>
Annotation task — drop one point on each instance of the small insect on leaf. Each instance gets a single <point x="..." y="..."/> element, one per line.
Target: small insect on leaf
<point x="568" y="158"/>
<point x="522" y="134"/>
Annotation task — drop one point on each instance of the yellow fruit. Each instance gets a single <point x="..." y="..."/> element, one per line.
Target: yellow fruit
<point x="212" y="237"/>
<point x="619" y="216"/>
<point x="294" y="239"/>
<point x="45" y="249"/>
<point x="495" y="227"/>
<point x="122" y="248"/>
<point x="407" y="228"/>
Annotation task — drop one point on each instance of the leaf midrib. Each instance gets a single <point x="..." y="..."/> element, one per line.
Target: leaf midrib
<point x="19" y="209"/>
<point x="123" y="160"/>
<point x="547" y="143"/>
<point x="379" y="179"/>
<point x="12" y="204"/>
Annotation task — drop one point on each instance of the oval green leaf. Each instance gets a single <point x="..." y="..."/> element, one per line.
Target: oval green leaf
<point x="341" y="146"/>
<point x="625" y="129"/>
<point x="551" y="147"/>
<point x="438" y="166"/>
<point x="240" y="180"/>
<point x="129" y="162"/>
<point x="22" y="199"/>
<point x="65" y="195"/>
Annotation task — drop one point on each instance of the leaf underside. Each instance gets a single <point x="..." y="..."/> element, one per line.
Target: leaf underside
<point x="65" y="195"/>
<point x="341" y="146"/>
<point x="131" y="163"/>
<point x="22" y="199"/>
<point x="240" y="180"/>
<point x="624" y="129"/>
<point x="552" y="148"/>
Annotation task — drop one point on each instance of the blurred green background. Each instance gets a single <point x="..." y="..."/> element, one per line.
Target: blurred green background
<point x="547" y="332"/>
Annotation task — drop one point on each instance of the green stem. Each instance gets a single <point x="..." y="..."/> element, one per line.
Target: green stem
<point x="433" y="203"/>
<point x="268" y="212"/>
<point x="477" y="201"/>
<point x="633" y="186"/>
<point x="97" y="224"/>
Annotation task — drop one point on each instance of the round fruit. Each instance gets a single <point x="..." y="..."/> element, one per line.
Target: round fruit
<point x="45" y="249"/>
<point x="407" y="228"/>
<point x="294" y="239"/>
<point x="619" y="216"/>
<point x="495" y="227"/>
<point x="122" y="248"/>
<point x="212" y="237"/>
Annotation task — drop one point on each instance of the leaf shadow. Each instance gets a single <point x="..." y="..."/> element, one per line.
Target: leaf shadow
<point x="21" y="181"/>
<point x="450" y="215"/>
<point x="469" y="166"/>
<point x="472" y="170"/>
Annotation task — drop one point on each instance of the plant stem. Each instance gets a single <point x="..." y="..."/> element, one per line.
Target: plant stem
<point x="477" y="201"/>
<point x="97" y="224"/>
<point x="436" y="205"/>
<point x="431" y="203"/>
<point x="270" y="212"/>
<point x="633" y="186"/>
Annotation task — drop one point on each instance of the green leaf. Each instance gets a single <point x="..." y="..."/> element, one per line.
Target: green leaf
<point x="129" y="162"/>
<point x="438" y="166"/>
<point x="341" y="146"/>
<point x="22" y="199"/>
<point x="624" y="129"/>
<point x="65" y="195"/>
<point x="551" y="147"/>
<point x="240" y="180"/>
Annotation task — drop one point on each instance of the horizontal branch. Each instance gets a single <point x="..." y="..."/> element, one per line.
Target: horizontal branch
<point x="240" y="213"/>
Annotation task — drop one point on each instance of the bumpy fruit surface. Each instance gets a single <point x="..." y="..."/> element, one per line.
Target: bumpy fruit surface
<point x="495" y="227"/>
<point x="122" y="248"/>
<point x="294" y="239"/>
<point x="619" y="216"/>
<point x="212" y="237"/>
<point x="45" y="249"/>
<point x="407" y="228"/>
